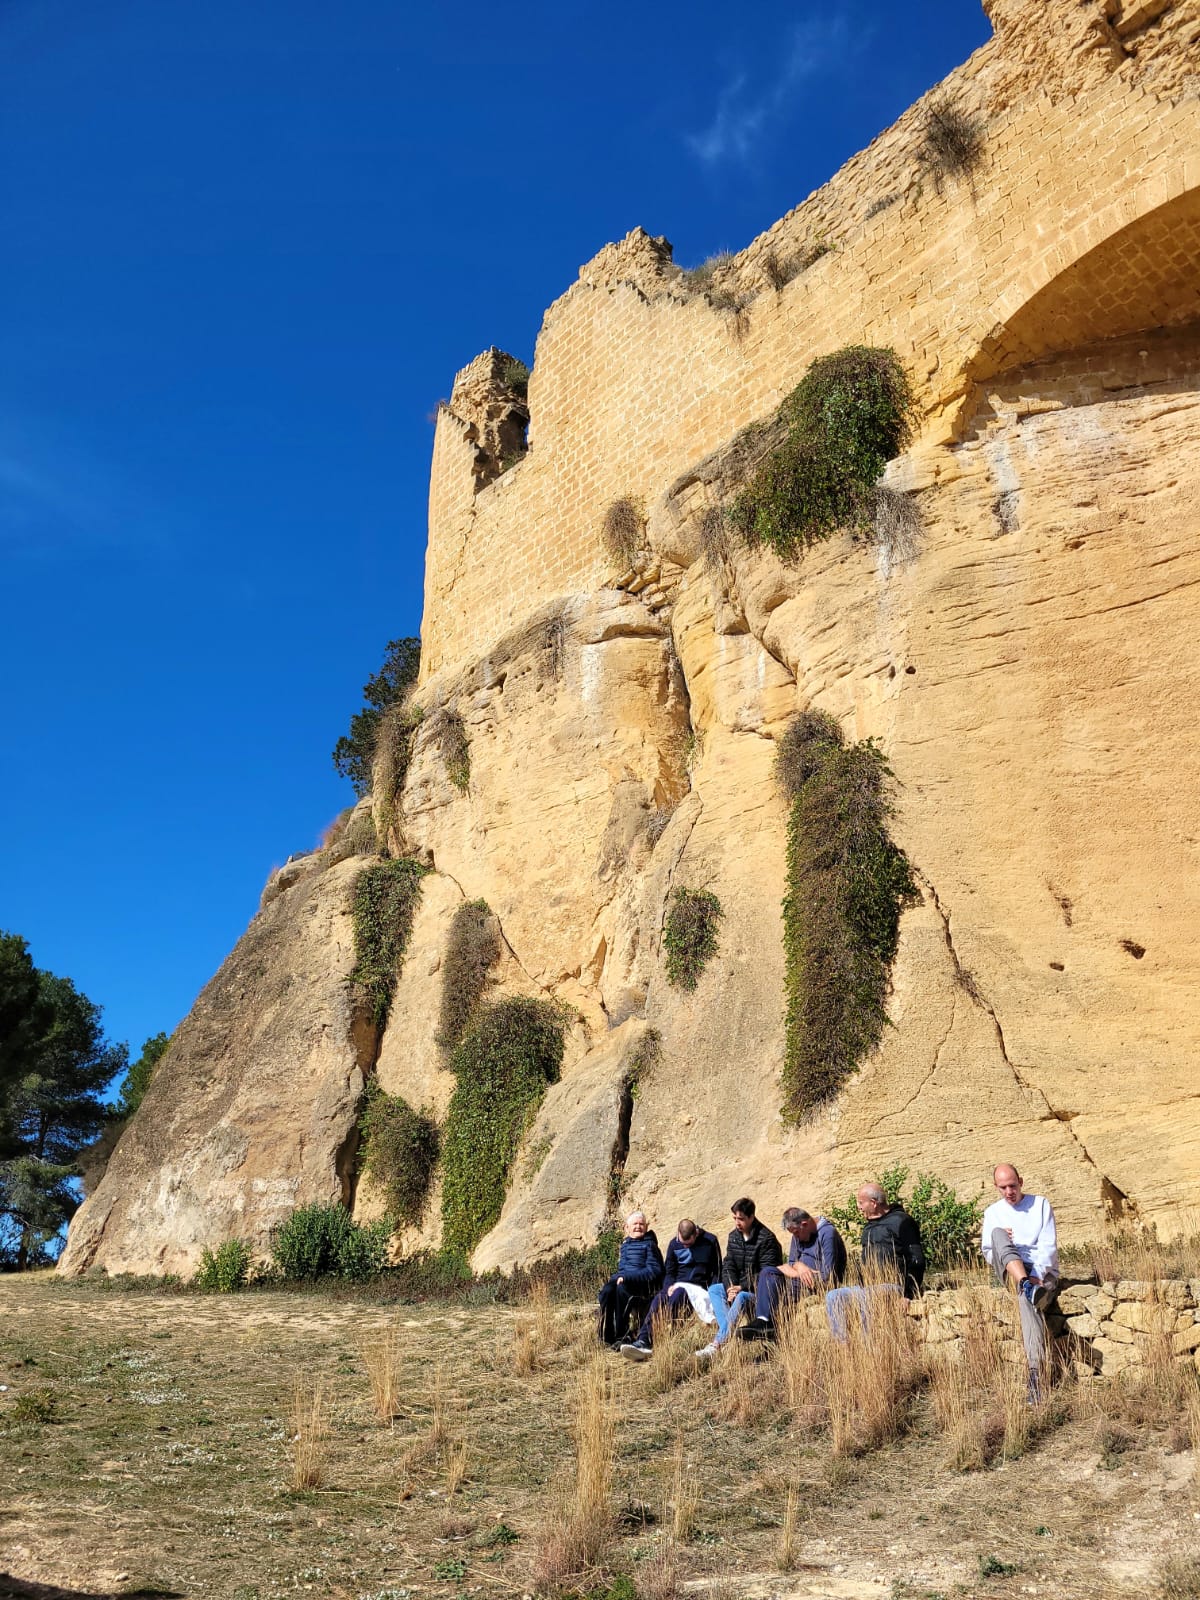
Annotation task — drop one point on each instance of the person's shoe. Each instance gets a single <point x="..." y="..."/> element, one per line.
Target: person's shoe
<point x="1025" y="1289"/>
<point x="760" y="1328"/>
<point x="637" y="1351"/>
<point x="1041" y="1296"/>
<point x="709" y="1351"/>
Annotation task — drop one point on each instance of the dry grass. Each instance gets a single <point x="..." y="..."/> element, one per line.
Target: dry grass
<point x="674" y="1347"/>
<point x="1180" y="1578"/>
<point x="623" y="528"/>
<point x="310" y="1435"/>
<point x="456" y="1467"/>
<point x="381" y="1357"/>
<point x="798" y="1365"/>
<point x="785" y="1554"/>
<point x="572" y="1541"/>
<point x="684" y="1494"/>
<point x="871" y="1377"/>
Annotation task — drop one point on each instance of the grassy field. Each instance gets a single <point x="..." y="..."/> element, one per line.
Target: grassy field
<point x="158" y="1443"/>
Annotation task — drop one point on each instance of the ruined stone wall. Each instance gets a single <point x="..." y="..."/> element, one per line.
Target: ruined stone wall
<point x="636" y="376"/>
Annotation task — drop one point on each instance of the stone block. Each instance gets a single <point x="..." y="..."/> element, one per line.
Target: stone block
<point x="1187" y="1339"/>
<point x="1084" y="1326"/>
<point x="1114" y="1357"/>
<point x="1146" y="1316"/>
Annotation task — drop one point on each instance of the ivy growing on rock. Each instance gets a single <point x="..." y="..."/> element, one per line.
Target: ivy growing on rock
<point x="845" y="420"/>
<point x="472" y="950"/>
<point x="847" y="883"/>
<point x="690" y="935"/>
<point x="503" y="1065"/>
<point x="399" y="1153"/>
<point x="383" y="903"/>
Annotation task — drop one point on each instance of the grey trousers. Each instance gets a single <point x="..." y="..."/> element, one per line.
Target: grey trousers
<point x="1033" y="1324"/>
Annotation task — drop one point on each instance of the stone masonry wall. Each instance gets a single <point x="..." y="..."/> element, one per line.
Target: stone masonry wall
<point x="1091" y="135"/>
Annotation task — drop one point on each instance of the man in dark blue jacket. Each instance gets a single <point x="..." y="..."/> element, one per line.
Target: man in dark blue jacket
<point x="639" y="1273"/>
<point x="816" y="1262"/>
<point x="693" y="1263"/>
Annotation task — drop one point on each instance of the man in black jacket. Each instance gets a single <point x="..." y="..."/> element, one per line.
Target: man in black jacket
<point x="693" y="1262"/>
<point x="893" y="1259"/>
<point x="750" y="1247"/>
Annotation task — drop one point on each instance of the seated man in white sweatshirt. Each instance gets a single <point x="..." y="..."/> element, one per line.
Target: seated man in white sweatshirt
<point x="1020" y="1242"/>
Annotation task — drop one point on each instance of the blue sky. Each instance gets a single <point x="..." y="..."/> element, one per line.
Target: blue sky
<point x="245" y="247"/>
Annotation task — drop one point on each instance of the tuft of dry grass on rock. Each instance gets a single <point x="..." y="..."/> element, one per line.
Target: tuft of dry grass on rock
<point x="897" y="523"/>
<point x="575" y="1535"/>
<point x="381" y="1357"/>
<point x="623" y="527"/>
<point x="952" y="145"/>
<point x="310" y="1436"/>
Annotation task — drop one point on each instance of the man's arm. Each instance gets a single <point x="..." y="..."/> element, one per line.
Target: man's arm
<point x="1044" y="1251"/>
<point x="914" y="1249"/>
<point x="729" y="1272"/>
<point x="671" y="1271"/>
<point x="827" y="1253"/>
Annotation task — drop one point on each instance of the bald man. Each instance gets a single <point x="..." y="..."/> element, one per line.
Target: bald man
<point x="1020" y="1244"/>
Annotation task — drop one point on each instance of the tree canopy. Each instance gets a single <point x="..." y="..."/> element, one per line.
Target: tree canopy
<point x="354" y="751"/>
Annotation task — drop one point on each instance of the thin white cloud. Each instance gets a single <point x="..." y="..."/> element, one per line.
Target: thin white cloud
<point x="55" y="497"/>
<point x="746" y="112"/>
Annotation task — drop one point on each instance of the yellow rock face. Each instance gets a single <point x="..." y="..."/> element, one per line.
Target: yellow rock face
<point x="1022" y="650"/>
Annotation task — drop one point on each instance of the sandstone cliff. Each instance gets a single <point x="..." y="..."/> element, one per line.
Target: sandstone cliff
<point x="1020" y="649"/>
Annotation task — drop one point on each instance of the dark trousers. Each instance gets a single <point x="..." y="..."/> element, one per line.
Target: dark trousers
<point x="668" y="1305"/>
<point x="773" y="1287"/>
<point x="619" y="1302"/>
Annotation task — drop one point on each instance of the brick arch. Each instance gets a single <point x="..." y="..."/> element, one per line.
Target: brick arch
<point x="1140" y="269"/>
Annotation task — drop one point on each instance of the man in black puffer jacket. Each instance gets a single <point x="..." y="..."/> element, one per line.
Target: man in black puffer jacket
<point x="893" y="1259"/>
<point x="693" y="1263"/>
<point x="750" y="1247"/>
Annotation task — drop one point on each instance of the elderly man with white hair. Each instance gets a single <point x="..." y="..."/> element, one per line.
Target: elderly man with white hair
<point x="639" y="1273"/>
<point x="1020" y="1244"/>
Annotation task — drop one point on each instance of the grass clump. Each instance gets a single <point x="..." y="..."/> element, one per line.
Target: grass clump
<point x="514" y="375"/>
<point x="952" y="142"/>
<point x="354" y="753"/>
<point x="690" y="935"/>
<point x="319" y="1241"/>
<point x="846" y="419"/>
<point x="699" y="279"/>
<point x="847" y="883"/>
<point x="224" y="1270"/>
<point x="399" y="1153"/>
<point x="450" y="733"/>
<point x="35" y="1405"/>
<point x="503" y="1065"/>
<point x="472" y="950"/>
<point x="949" y="1224"/>
<point x="622" y="528"/>
<point x="382" y="904"/>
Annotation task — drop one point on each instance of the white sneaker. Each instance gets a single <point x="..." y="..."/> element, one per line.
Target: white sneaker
<point x="636" y="1351"/>
<point x="707" y="1353"/>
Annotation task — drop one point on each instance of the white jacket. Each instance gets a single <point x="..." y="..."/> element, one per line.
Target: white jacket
<point x="1034" y="1234"/>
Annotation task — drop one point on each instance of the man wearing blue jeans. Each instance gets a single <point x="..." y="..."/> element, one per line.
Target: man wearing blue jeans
<point x="749" y="1249"/>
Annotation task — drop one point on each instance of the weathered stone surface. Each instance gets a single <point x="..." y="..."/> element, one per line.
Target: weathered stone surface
<point x="252" y="1110"/>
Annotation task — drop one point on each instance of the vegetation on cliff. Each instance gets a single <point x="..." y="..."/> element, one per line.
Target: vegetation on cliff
<point x="504" y="1064"/>
<point x="949" y="1225"/>
<point x="325" y="1241"/>
<point x="399" y="1153"/>
<point x="690" y="935"/>
<point x="846" y="419"/>
<point x="846" y="885"/>
<point x="472" y="950"/>
<point x="383" y="903"/>
<point x="450" y="734"/>
<point x="354" y="752"/>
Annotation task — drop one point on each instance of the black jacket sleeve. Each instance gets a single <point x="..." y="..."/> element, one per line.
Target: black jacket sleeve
<point x="671" y="1272"/>
<point x="909" y="1236"/>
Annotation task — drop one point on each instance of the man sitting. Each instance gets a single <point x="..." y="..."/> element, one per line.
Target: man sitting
<point x="750" y="1247"/>
<point x="816" y="1262"/>
<point x="893" y="1259"/>
<point x="639" y="1273"/>
<point x="1020" y="1244"/>
<point x="693" y="1263"/>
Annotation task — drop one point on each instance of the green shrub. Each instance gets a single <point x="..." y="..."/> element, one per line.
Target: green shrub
<point x="690" y="935"/>
<point x="224" y="1270"/>
<point x="383" y="903"/>
<point x="699" y="279"/>
<point x="354" y="752"/>
<point x="622" y="529"/>
<point x="503" y="1065"/>
<point x="450" y="732"/>
<point x="137" y="1079"/>
<point x="472" y="950"/>
<point x="514" y="375"/>
<point x="399" y="1152"/>
<point x="844" y="421"/>
<point x="319" y="1241"/>
<point x="949" y="1225"/>
<point x="846" y="885"/>
<point x="35" y="1405"/>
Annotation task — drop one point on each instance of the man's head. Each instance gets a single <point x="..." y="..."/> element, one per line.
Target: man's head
<point x="743" y="1214"/>
<point x="635" y="1225"/>
<point x="799" y="1224"/>
<point x="686" y="1231"/>
<point x="1008" y="1181"/>
<point x="872" y="1201"/>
